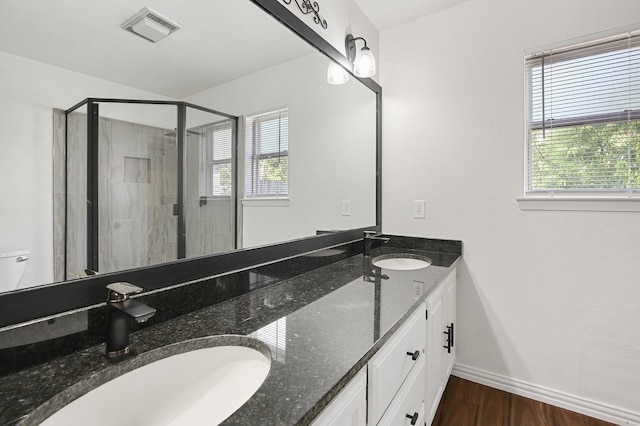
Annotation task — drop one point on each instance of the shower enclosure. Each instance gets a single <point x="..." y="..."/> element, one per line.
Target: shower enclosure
<point x="146" y="182"/>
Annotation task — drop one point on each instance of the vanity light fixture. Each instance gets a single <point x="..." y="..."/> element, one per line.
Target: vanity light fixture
<point x="365" y="64"/>
<point x="336" y="74"/>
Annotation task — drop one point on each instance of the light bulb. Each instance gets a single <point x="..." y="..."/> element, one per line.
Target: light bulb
<point x="365" y="65"/>
<point x="336" y="74"/>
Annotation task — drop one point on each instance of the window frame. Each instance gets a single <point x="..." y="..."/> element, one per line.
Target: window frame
<point x="587" y="199"/>
<point x="208" y="162"/>
<point x="253" y="158"/>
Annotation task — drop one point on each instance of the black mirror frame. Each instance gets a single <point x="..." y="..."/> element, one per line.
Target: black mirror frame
<point x="49" y="300"/>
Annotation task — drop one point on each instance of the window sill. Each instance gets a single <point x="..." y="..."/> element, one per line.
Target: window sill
<point x="580" y="203"/>
<point x="266" y="202"/>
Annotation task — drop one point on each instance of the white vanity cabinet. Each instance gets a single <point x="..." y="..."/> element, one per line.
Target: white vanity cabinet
<point x="450" y="322"/>
<point x="394" y="371"/>
<point x="404" y="381"/>
<point x="349" y="408"/>
<point x="440" y="349"/>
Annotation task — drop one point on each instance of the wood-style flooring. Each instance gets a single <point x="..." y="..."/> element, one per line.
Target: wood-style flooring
<point x="466" y="403"/>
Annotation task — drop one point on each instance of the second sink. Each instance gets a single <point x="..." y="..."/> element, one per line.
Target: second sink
<point x="401" y="261"/>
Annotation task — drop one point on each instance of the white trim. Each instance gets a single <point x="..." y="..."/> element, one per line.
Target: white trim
<point x="266" y="202"/>
<point x="580" y="203"/>
<point x="560" y="399"/>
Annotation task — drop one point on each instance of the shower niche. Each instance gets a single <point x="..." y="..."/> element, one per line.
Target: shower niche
<point x="141" y="183"/>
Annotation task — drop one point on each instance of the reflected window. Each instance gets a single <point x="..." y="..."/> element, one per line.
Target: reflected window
<point x="267" y="154"/>
<point x="275" y="336"/>
<point x="216" y="173"/>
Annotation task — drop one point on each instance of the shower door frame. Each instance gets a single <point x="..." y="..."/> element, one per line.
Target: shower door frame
<point x="93" y="119"/>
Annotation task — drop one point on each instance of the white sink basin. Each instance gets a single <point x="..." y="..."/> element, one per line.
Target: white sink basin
<point x="202" y="386"/>
<point x="401" y="262"/>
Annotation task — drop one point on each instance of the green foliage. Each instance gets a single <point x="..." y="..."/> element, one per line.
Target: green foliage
<point x="593" y="156"/>
<point x="275" y="169"/>
<point x="225" y="179"/>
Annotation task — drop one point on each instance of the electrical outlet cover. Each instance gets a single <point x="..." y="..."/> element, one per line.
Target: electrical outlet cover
<point x="419" y="209"/>
<point x="346" y="207"/>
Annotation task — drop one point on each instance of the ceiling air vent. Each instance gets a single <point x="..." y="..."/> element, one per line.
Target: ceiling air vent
<point x="150" y="25"/>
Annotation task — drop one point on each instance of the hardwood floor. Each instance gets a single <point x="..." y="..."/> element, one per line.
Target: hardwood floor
<point x="466" y="403"/>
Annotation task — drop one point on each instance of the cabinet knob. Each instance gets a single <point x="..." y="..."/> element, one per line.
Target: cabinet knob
<point x="413" y="418"/>
<point x="414" y="355"/>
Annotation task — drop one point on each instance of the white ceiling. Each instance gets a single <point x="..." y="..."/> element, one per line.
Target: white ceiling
<point x="386" y="13"/>
<point x="217" y="43"/>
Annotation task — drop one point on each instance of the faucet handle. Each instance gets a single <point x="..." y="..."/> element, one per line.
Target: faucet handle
<point x="121" y="291"/>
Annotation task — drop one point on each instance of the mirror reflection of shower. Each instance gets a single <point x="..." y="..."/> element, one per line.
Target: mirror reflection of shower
<point x="145" y="182"/>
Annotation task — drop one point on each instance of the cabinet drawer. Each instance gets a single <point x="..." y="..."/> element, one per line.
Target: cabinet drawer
<point x="389" y="368"/>
<point x="409" y="402"/>
<point x="349" y="407"/>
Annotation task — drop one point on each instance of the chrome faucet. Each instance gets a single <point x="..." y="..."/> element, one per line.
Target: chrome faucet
<point x="120" y="310"/>
<point x="369" y="238"/>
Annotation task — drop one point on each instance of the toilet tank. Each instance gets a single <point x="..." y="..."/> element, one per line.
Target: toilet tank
<point x="12" y="264"/>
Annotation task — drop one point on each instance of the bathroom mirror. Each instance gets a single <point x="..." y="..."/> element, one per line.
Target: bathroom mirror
<point x="229" y="56"/>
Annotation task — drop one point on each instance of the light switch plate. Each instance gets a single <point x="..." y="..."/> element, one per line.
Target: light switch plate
<point x="419" y="207"/>
<point x="346" y="207"/>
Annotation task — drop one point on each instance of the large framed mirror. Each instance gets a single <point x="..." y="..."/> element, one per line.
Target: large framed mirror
<point x="268" y="70"/>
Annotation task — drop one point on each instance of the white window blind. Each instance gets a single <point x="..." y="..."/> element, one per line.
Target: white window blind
<point x="583" y="117"/>
<point x="275" y="336"/>
<point x="267" y="154"/>
<point x="216" y="173"/>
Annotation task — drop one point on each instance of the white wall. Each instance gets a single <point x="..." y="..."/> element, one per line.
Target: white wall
<point x="331" y="148"/>
<point x="29" y="91"/>
<point x="548" y="298"/>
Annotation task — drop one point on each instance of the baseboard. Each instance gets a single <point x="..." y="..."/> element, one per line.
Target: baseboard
<point x="584" y="406"/>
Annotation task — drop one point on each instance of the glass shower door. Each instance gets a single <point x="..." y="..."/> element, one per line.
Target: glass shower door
<point x="209" y="178"/>
<point x="137" y="185"/>
<point x="75" y="220"/>
<point x="147" y="182"/>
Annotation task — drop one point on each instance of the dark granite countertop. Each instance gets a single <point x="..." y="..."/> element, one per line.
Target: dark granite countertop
<point x="322" y="327"/>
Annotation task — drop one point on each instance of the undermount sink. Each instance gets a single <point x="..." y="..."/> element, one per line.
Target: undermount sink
<point x="401" y="261"/>
<point x="201" y="386"/>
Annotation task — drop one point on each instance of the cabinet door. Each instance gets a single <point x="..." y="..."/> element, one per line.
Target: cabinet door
<point x="349" y="408"/>
<point x="450" y="323"/>
<point x="434" y="351"/>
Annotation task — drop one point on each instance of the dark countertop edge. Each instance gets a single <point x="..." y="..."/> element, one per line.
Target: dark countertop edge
<point x="324" y="402"/>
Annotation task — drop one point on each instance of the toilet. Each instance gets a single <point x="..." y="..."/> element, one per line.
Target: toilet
<point x="12" y="264"/>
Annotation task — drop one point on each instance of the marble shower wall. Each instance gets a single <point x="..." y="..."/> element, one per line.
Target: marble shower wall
<point x="137" y="191"/>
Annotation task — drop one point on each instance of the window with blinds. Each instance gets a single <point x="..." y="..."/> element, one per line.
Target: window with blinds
<point x="216" y="173"/>
<point x="583" y="117"/>
<point x="267" y="154"/>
